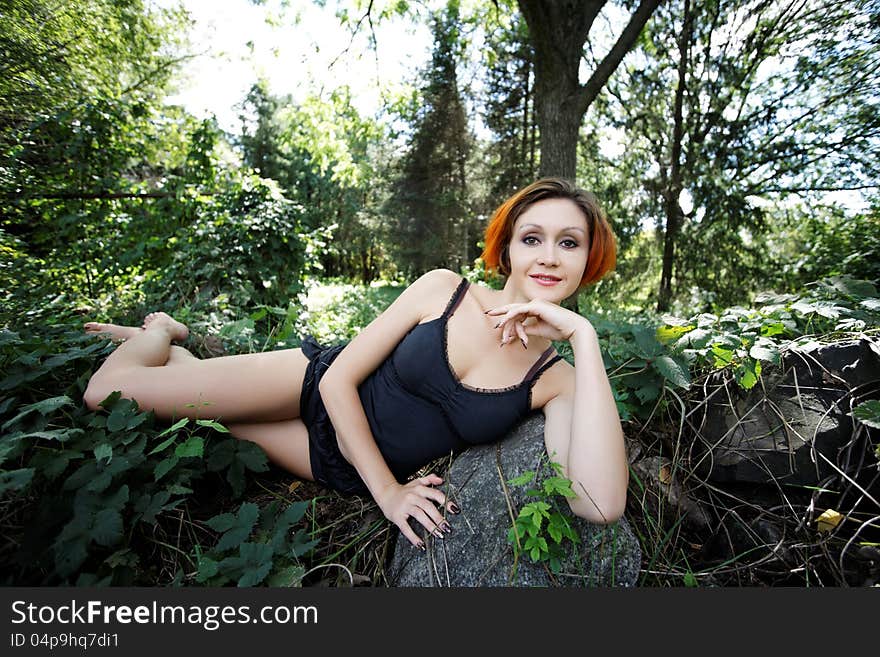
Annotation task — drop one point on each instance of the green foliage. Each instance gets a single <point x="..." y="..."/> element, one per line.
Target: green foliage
<point x="256" y="546"/>
<point x="243" y="244"/>
<point x="540" y="528"/>
<point x="88" y="495"/>
<point x="433" y="227"/>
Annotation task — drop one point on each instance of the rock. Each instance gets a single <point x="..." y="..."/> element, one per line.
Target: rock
<point x="477" y="553"/>
<point x="789" y="427"/>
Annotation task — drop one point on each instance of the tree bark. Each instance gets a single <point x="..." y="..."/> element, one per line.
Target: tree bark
<point x="558" y="30"/>
<point x="672" y="207"/>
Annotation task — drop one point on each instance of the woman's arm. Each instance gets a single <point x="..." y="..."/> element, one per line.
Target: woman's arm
<point x="582" y="428"/>
<point x="339" y="392"/>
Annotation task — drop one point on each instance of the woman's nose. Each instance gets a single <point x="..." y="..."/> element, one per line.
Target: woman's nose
<point x="548" y="256"/>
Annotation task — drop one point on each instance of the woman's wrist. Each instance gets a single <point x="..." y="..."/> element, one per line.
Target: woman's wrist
<point x="583" y="332"/>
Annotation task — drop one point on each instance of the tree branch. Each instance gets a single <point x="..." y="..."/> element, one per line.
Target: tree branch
<point x="587" y="93"/>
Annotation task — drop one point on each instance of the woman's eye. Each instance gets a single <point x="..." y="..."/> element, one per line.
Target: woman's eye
<point x="569" y="244"/>
<point x="530" y="239"/>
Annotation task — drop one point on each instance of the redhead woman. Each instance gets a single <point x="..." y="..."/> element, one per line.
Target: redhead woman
<point x="447" y="365"/>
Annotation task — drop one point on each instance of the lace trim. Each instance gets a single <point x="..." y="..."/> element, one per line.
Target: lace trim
<point x="455" y="299"/>
<point x="454" y="376"/>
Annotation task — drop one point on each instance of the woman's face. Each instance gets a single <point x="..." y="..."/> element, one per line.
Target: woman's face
<point x="548" y="250"/>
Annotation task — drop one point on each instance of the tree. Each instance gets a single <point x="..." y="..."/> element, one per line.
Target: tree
<point x="733" y="106"/>
<point x="558" y="30"/>
<point x="433" y="228"/>
<point x="509" y="62"/>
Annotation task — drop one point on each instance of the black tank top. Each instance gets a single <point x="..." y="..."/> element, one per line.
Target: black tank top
<point x="419" y="411"/>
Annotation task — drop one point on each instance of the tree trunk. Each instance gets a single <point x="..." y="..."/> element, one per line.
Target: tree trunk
<point x="671" y="205"/>
<point x="558" y="30"/>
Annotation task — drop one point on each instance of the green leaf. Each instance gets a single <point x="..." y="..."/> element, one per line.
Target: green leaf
<point x="118" y="419"/>
<point x="257" y="560"/>
<point x="747" y="374"/>
<point x="673" y="371"/>
<point x="212" y="424"/>
<point x="769" y="354"/>
<point x="164" y="444"/>
<point x="107" y="530"/>
<point x="194" y="446"/>
<point x="15" y="479"/>
<point x="103" y="451"/>
<point x="43" y="407"/>
<point x="523" y="479"/>
<point x="221" y="522"/>
<point x="251" y="456"/>
<point x="240" y="530"/>
<point x="868" y="413"/>
<point x="164" y="467"/>
<point x="174" y="427"/>
<point x="287" y="577"/>
<point x="207" y="569"/>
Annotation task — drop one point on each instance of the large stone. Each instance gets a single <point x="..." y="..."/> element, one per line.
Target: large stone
<point x="790" y="427"/>
<point x="477" y="552"/>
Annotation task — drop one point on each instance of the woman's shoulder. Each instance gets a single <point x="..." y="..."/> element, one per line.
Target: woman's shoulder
<point x="437" y="283"/>
<point x="556" y="382"/>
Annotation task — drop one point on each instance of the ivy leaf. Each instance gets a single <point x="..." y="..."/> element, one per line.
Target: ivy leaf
<point x="747" y="374"/>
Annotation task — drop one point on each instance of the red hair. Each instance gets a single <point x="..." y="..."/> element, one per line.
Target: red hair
<point x="603" y="247"/>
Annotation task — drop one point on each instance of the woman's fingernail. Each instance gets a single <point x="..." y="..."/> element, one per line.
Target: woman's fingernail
<point x="438" y="533"/>
<point x="523" y="343"/>
<point x="446" y="527"/>
<point x="420" y="545"/>
<point x="454" y="508"/>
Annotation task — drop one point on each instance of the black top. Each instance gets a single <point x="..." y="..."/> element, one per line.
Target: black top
<point x="417" y="408"/>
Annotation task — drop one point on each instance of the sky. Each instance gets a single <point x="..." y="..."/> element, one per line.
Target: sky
<point x="293" y="49"/>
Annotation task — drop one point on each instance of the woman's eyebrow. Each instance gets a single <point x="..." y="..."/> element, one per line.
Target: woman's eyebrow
<point x="577" y="228"/>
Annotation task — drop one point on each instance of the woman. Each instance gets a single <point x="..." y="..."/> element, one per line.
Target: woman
<point x="424" y="378"/>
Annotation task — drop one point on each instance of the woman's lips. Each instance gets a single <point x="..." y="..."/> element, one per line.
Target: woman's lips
<point x="545" y="281"/>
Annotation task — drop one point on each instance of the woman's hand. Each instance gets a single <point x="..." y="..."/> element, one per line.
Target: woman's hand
<point x="416" y="499"/>
<point x="537" y="317"/>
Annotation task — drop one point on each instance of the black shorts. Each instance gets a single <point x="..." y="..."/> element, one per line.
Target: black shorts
<point x="329" y="466"/>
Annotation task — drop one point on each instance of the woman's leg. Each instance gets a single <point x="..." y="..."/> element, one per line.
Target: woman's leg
<point x="246" y="388"/>
<point x="285" y="443"/>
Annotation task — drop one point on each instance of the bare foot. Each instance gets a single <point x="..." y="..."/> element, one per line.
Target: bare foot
<point x="178" y="331"/>
<point x="115" y="332"/>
